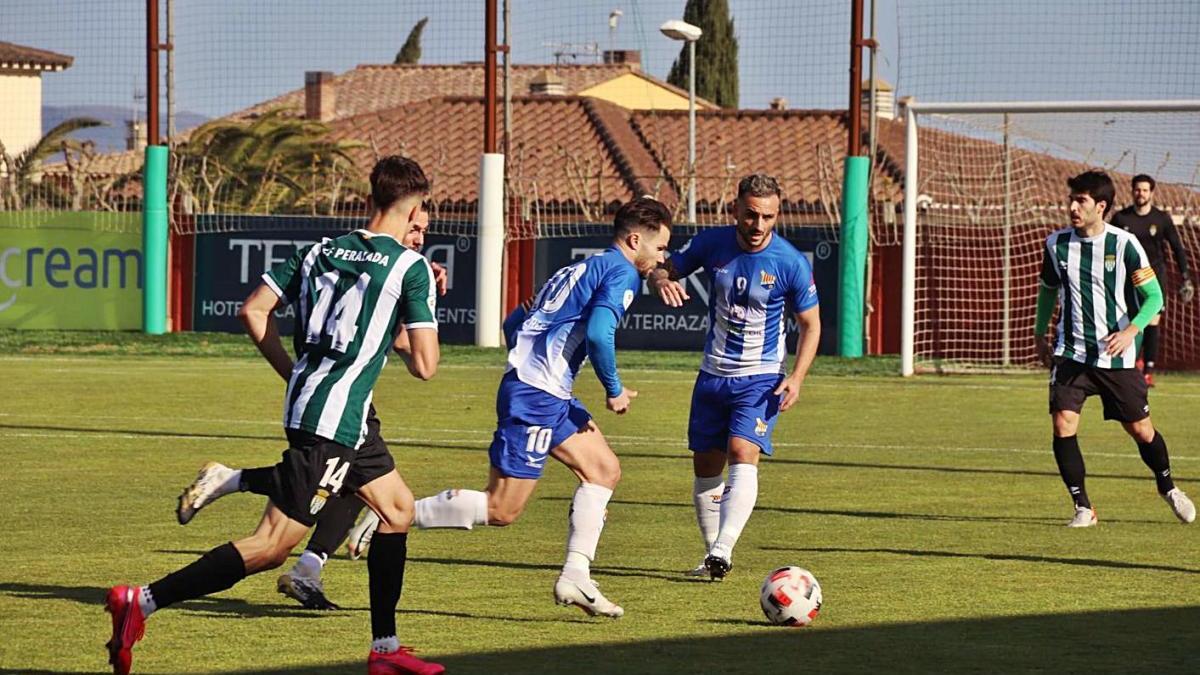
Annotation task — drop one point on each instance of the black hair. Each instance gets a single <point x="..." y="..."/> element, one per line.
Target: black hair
<point x="1095" y="184"/>
<point x="395" y="178"/>
<point x="646" y="214"/>
<point x="1143" y="178"/>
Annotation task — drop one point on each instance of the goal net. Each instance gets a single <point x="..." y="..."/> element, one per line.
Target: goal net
<point x="991" y="185"/>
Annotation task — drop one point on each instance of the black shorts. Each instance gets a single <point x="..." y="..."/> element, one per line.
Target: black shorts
<point x="1122" y="390"/>
<point x="314" y="469"/>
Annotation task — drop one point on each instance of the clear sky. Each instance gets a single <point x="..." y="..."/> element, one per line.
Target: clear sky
<point x="233" y="53"/>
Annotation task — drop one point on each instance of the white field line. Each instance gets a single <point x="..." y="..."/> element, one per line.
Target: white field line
<point x="479" y="436"/>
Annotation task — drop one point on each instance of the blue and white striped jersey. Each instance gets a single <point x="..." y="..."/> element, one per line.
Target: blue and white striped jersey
<point x="750" y="297"/>
<point x="551" y="343"/>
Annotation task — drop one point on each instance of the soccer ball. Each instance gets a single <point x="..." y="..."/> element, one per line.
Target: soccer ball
<point x="790" y="596"/>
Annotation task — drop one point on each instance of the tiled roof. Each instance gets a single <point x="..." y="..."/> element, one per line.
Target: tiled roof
<point x="368" y="88"/>
<point x="561" y="149"/>
<point x="802" y="148"/>
<point x="20" y="57"/>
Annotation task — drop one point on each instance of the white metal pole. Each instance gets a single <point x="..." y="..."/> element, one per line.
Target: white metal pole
<point x="490" y="254"/>
<point x="1006" y="319"/>
<point x="908" y="292"/>
<point x="691" y="203"/>
<point x="997" y="107"/>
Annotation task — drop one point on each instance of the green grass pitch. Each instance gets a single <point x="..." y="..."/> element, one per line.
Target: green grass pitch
<point x="930" y="510"/>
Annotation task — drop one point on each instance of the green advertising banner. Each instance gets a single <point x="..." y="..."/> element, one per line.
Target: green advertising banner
<point x="70" y="270"/>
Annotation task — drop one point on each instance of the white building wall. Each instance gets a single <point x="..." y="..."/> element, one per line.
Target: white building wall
<point x="20" y="109"/>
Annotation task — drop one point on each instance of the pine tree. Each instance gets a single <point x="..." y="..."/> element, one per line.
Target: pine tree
<point x="411" y="51"/>
<point x="716" y="54"/>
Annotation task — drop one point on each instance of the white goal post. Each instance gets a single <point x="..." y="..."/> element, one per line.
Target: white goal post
<point x="912" y="194"/>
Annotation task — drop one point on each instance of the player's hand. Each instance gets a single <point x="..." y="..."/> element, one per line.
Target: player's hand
<point x="1117" y="342"/>
<point x="671" y="292"/>
<point x="1187" y="291"/>
<point x="788" y="392"/>
<point x="1042" y="347"/>
<point x="620" y="403"/>
<point x="440" y="278"/>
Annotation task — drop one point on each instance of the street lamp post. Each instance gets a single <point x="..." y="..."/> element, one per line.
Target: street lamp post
<point x="681" y="30"/>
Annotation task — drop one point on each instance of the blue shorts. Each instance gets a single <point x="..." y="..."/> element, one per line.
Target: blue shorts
<point x="745" y="407"/>
<point x="529" y="424"/>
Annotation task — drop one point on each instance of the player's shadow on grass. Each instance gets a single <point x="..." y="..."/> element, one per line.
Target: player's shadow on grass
<point x="1143" y="640"/>
<point x="1002" y="557"/>
<point x="903" y="467"/>
<point x="167" y="434"/>
<point x="1051" y="521"/>
<point x="211" y="606"/>
<point x="601" y="570"/>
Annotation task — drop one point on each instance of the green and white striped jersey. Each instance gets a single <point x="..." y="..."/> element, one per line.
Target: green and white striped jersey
<point x="1096" y="279"/>
<point x="350" y="294"/>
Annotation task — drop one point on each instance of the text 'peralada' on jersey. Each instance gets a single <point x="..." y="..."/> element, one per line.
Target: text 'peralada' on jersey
<point x="351" y="294"/>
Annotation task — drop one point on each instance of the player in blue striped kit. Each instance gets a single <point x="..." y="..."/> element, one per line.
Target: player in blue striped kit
<point x="575" y="315"/>
<point x="755" y="279"/>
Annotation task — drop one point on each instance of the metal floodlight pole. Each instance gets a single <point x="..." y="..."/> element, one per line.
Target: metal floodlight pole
<point x="691" y="203"/>
<point x="152" y="48"/>
<point x="682" y="30"/>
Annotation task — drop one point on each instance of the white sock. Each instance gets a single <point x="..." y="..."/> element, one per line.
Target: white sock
<point x="586" y="521"/>
<point x="309" y="565"/>
<point x="463" y="509"/>
<point x="146" y="601"/>
<point x="386" y="645"/>
<point x="741" y="492"/>
<point x="706" y="497"/>
<point x="231" y="484"/>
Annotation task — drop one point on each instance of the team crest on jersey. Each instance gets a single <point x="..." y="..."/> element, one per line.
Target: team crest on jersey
<point x="1110" y="263"/>
<point x="318" y="501"/>
<point x="628" y="299"/>
<point x="760" y="427"/>
<point x="767" y="280"/>
<point x="1153" y="230"/>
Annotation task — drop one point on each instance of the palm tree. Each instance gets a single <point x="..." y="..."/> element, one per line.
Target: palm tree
<point x="20" y="175"/>
<point x="272" y="164"/>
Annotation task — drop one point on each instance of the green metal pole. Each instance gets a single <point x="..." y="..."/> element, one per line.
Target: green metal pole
<point x="154" y="241"/>
<point x="852" y="257"/>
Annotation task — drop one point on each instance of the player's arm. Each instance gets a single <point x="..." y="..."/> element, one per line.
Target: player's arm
<point x="602" y="352"/>
<point x="417" y="342"/>
<point x="809" y="322"/>
<point x="1187" y="290"/>
<point x="665" y="279"/>
<point x="258" y="317"/>
<point x="1047" y="300"/>
<point x="512" y="323"/>
<point x="423" y="352"/>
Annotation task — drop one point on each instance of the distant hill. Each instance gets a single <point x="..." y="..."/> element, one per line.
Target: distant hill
<point x="110" y="138"/>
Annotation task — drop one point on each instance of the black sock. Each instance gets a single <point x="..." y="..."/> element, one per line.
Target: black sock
<point x="215" y="571"/>
<point x="385" y="572"/>
<point x="1070" y="467"/>
<point x="258" y="481"/>
<point x="1154" y="454"/>
<point x="1149" y="348"/>
<point x="334" y="524"/>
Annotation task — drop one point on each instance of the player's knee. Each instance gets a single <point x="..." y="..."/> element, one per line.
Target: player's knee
<point x="503" y="515"/>
<point x="1141" y="431"/>
<point x="606" y="472"/>
<point x="397" y="516"/>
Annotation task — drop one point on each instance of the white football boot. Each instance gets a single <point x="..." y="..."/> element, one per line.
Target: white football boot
<point x="208" y="487"/>
<point x="359" y="538"/>
<point x="586" y="596"/>
<point x="1085" y="516"/>
<point x="1183" y="507"/>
